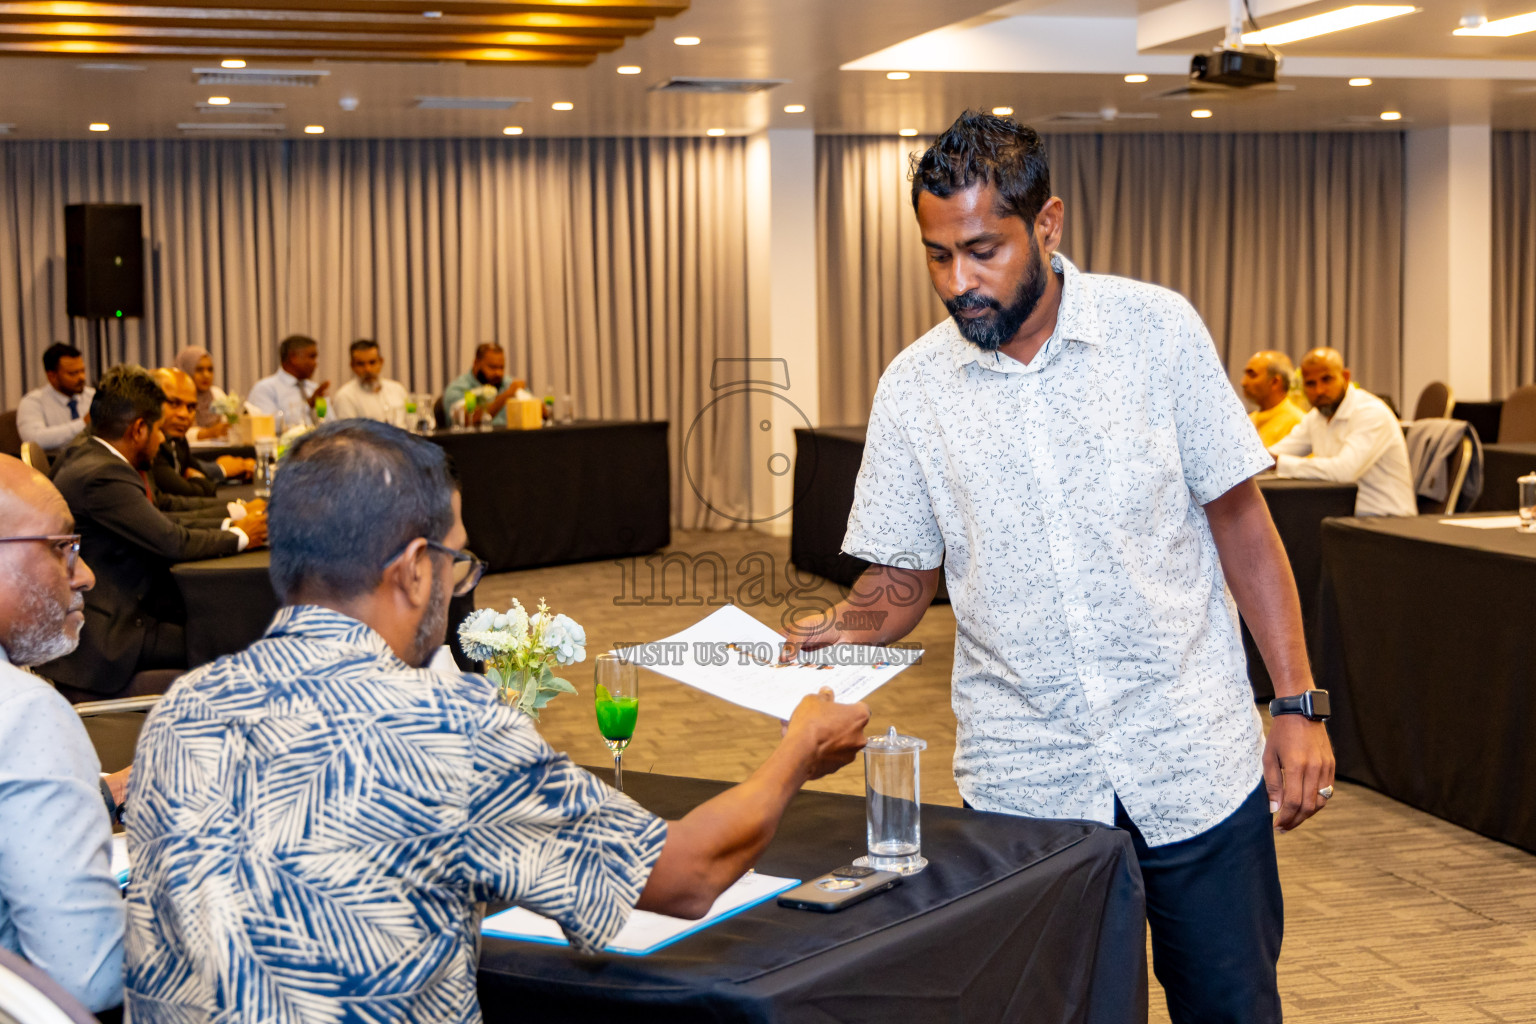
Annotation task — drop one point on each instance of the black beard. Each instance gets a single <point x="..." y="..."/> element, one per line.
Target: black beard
<point x="991" y="332"/>
<point x="432" y="630"/>
<point x="480" y="376"/>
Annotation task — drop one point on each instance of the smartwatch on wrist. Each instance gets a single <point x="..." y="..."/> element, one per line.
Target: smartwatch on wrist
<point x="1312" y="705"/>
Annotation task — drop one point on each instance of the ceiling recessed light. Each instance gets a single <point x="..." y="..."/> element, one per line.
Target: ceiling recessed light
<point x="795" y="108"/>
<point x="431" y="14"/>
<point x="231" y="63"/>
<point x="100" y="126"/>
<point x="1002" y="111"/>
<point x="314" y="129"/>
<point x="1391" y="115"/>
<point x="1517" y="25"/>
<point x="512" y="129"/>
<point x="1329" y="21"/>
<point x="907" y="132"/>
<point x="218" y="101"/>
<point x="1135" y="79"/>
<point x="1202" y="113"/>
<point x="687" y="40"/>
<point x="629" y="69"/>
<point x="898" y="76"/>
<point x="562" y="105"/>
<point x="715" y="133"/>
<point x="1359" y="81"/>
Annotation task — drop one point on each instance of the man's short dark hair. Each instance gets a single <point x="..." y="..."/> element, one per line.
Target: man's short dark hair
<point x="484" y="347"/>
<point x="982" y="148"/>
<point x="349" y="497"/>
<point x="294" y="344"/>
<point x="124" y="394"/>
<point x="362" y="343"/>
<point x="58" y="350"/>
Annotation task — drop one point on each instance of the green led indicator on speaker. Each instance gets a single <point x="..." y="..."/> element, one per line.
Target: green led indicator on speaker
<point x="119" y="312"/>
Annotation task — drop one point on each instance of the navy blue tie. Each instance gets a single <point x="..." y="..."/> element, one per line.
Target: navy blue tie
<point x="74" y="408"/>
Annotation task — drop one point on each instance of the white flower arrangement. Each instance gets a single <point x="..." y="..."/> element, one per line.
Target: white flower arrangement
<point x="519" y="649"/>
<point x="228" y="407"/>
<point x="289" y="436"/>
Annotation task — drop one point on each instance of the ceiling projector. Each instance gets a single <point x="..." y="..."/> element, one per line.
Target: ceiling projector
<point x="1238" y="69"/>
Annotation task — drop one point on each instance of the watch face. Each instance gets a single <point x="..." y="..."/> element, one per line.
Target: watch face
<point x="1317" y="704"/>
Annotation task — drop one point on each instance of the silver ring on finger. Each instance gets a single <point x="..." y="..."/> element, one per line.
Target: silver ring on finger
<point x="1326" y="792"/>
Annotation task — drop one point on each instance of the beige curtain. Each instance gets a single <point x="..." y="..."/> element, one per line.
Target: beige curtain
<point x="1280" y="241"/>
<point x="612" y="270"/>
<point x="1514" y="261"/>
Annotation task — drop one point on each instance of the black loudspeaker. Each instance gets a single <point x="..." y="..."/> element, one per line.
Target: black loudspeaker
<point x="104" y="260"/>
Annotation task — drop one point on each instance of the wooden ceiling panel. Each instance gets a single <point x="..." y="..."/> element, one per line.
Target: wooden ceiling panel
<point x="534" y="32"/>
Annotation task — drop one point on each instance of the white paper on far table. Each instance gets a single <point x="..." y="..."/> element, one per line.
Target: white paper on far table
<point x="645" y="932"/>
<point x="1486" y="522"/>
<point x="751" y="675"/>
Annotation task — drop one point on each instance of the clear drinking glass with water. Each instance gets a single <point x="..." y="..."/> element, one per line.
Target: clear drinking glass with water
<point x="893" y="803"/>
<point x="266" y="466"/>
<point x="1527" y="503"/>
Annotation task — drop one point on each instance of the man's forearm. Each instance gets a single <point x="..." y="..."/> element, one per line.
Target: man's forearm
<point x="1259" y="576"/>
<point x="884" y="605"/>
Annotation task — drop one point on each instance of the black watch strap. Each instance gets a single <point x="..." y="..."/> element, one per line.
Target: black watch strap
<point x="1312" y="705"/>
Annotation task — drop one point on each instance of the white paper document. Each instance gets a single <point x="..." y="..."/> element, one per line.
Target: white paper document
<point x="1486" y="522"/>
<point x="731" y="655"/>
<point x="645" y="932"/>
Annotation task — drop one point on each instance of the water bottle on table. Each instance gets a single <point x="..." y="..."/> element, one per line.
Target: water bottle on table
<point x="1527" y="485"/>
<point x="892" y="804"/>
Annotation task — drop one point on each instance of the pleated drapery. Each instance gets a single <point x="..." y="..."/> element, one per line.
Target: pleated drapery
<point x="1514" y="262"/>
<point x="1281" y="241"/>
<point x="612" y="270"/>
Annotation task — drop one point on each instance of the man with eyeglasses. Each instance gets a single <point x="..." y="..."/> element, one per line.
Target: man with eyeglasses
<point x="316" y="818"/>
<point x="60" y="907"/>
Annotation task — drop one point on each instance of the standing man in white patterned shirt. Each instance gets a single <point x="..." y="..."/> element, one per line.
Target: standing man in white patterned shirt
<point x="1069" y="449"/>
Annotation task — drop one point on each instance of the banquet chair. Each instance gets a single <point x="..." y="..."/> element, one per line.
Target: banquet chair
<point x="113" y="726"/>
<point x="10" y="437"/>
<point x="1435" y="402"/>
<point x="1517" y="424"/>
<point x="29" y="996"/>
<point x="33" y="455"/>
<point x="1457" y="444"/>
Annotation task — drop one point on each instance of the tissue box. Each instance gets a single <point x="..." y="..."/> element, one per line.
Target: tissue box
<point x="256" y="428"/>
<point x="525" y="414"/>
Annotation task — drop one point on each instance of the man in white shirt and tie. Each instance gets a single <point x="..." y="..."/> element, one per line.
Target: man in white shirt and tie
<point x="369" y="395"/>
<point x="290" y="392"/>
<point x="1353" y="438"/>
<point x="54" y="414"/>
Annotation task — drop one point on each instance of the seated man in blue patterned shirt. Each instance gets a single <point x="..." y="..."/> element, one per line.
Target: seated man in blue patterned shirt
<point x="315" y="817"/>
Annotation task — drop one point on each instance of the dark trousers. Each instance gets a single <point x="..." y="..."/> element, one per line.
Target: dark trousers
<point x="1217" y="917"/>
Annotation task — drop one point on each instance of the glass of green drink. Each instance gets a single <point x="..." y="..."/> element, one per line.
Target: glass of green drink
<point x="617" y="705"/>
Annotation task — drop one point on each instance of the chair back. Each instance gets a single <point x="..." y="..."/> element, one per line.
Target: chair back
<point x="1435" y="402"/>
<point x="1517" y="424"/>
<point x="33" y="455"/>
<point x="1456" y="472"/>
<point x="10" y="437"/>
<point x="439" y="414"/>
<point x="28" y="996"/>
<point x="1453" y="443"/>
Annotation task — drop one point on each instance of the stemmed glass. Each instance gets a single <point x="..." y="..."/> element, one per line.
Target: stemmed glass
<point x="617" y="704"/>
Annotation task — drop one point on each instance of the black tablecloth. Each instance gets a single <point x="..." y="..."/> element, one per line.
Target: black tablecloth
<point x="572" y="493"/>
<point x="230" y="603"/>
<point x="1298" y="508"/>
<point x="210" y="452"/>
<point x="1503" y="464"/>
<point x="1484" y="417"/>
<point x="1014" y="920"/>
<point x="1435" y="632"/>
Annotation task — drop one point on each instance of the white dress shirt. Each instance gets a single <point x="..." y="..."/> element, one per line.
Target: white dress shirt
<point x="45" y="418"/>
<point x="385" y="402"/>
<point x="60" y="907"/>
<point x="1097" y="651"/>
<point x="1362" y="445"/>
<point x="286" y="394"/>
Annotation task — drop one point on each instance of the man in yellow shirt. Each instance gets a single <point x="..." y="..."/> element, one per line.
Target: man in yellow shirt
<point x="1267" y="383"/>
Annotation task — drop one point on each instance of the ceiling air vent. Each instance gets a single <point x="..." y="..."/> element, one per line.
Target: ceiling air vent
<point x="110" y="67"/>
<point x="256" y="76"/>
<point x="240" y="108"/>
<point x="231" y="128"/>
<point x="719" y="86"/>
<point x="468" y="102"/>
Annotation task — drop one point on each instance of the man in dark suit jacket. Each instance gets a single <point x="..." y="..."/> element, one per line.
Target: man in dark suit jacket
<point x="176" y="471"/>
<point x="134" y="616"/>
